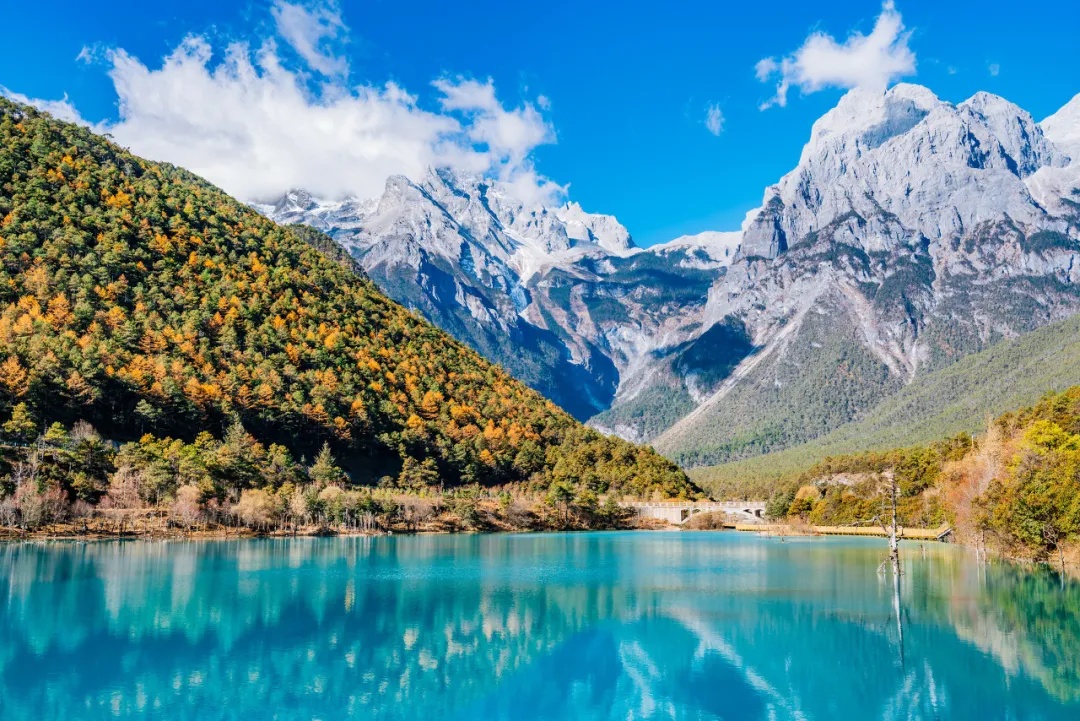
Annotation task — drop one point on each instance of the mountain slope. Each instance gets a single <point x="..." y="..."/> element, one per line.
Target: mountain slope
<point x="140" y="298"/>
<point x="911" y="233"/>
<point x="907" y="237"/>
<point x="561" y="297"/>
<point x="956" y="399"/>
<point x="1012" y="491"/>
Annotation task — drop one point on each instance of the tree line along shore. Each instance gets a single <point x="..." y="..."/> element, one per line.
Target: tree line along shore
<point x="74" y="483"/>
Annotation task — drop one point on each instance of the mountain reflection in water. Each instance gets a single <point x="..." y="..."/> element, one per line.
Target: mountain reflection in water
<point x="559" y="626"/>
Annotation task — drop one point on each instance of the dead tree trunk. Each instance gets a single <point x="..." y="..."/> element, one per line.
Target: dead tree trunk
<point x="894" y="538"/>
<point x="892" y="529"/>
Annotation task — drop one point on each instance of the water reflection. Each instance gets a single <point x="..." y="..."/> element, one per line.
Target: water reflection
<point x="585" y="626"/>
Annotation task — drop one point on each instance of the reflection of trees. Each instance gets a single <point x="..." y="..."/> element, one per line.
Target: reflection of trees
<point x="373" y="622"/>
<point x="563" y="626"/>
<point x="1049" y="615"/>
<point x="826" y="645"/>
<point x="1024" y="617"/>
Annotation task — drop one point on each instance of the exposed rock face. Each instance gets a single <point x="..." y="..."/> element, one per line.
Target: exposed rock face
<point x="561" y="297"/>
<point x="911" y="166"/>
<point x="911" y="232"/>
<point x="915" y="231"/>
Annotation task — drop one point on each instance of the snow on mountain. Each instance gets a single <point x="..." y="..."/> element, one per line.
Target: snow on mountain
<point x="708" y="250"/>
<point x="1063" y="128"/>
<point x="911" y="165"/>
<point x="603" y="230"/>
<point x="911" y="232"/>
<point x="1058" y="189"/>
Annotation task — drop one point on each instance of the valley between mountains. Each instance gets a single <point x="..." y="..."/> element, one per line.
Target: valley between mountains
<point x="910" y="234"/>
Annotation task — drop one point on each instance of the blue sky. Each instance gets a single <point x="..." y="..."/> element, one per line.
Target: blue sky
<point x="610" y="99"/>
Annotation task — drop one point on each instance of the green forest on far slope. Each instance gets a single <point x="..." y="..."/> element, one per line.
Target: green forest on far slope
<point x="960" y="398"/>
<point x="1014" y="490"/>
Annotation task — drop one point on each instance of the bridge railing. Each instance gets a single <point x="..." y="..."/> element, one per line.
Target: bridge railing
<point x="705" y="505"/>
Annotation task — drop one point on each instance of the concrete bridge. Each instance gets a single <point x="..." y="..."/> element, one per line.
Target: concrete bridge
<point x="679" y="512"/>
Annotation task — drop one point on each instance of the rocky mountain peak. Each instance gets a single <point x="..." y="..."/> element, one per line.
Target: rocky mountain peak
<point x="399" y="192"/>
<point x="603" y="230"/>
<point x="1024" y="143"/>
<point x="1063" y="128"/>
<point x="907" y="166"/>
<point x="295" y="200"/>
<point x="868" y="118"/>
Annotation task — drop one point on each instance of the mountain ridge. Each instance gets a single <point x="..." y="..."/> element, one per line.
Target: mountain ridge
<point x="911" y="232"/>
<point x="543" y="290"/>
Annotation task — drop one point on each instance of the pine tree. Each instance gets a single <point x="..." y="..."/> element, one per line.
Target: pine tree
<point x="21" y="428"/>
<point x="324" y="471"/>
<point x="57" y="435"/>
<point x="416" y="475"/>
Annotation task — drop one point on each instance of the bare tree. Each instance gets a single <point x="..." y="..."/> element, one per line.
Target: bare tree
<point x="890" y="524"/>
<point x="9" y="512"/>
<point x="187" y="508"/>
<point x="27" y="471"/>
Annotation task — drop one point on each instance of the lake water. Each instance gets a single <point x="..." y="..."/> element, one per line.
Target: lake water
<point x="553" y="626"/>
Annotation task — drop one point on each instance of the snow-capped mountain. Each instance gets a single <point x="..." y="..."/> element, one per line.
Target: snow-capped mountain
<point x="1063" y="128"/>
<point x="911" y="232"/>
<point x="911" y="164"/>
<point x="561" y="297"/>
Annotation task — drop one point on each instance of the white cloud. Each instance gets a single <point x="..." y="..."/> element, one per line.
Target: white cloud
<point x="994" y="70"/>
<point x="714" y="119"/>
<point x="257" y="125"/>
<point x="862" y="61"/>
<point x="59" y="109"/>
<point x="508" y="134"/>
<point x="313" y="32"/>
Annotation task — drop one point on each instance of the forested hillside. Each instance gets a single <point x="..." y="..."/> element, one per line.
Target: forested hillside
<point x="1015" y="489"/>
<point x="142" y="300"/>
<point x="956" y="399"/>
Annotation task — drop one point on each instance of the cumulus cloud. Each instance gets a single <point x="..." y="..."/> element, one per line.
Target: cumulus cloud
<point x="258" y="121"/>
<point x="314" y="33"/>
<point x="508" y="134"/>
<point x="862" y="61"/>
<point x="60" y="109"/>
<point x="714" y="120"/>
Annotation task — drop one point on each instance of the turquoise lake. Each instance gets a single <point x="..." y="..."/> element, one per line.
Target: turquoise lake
<point x="552" y="626"/>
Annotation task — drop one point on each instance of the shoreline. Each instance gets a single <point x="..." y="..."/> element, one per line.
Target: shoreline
<point x="161" y="533"/>
<point x="10" y="535"/>
<point x="67" y="534"/>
